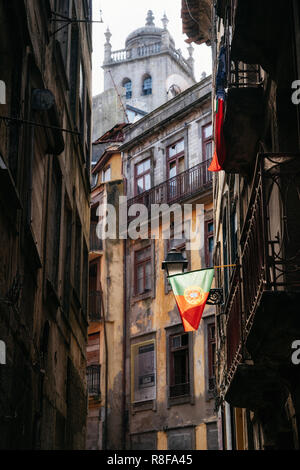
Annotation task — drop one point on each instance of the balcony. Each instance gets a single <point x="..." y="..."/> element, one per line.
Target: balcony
<point x="186" y="185"/>
<point x="262" y="308"/>
<point x="95" y="306"/>
<point x="243" y="122"/>
<point x="257" y="29"/>
<point x="93" y="379"/>
<point x="96" y="244"/>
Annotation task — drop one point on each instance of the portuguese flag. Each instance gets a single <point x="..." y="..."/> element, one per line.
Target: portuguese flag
<point x="191" y="291"/>
<point x="220" y="148"/>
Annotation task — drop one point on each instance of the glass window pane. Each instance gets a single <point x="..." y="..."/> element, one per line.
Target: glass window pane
<point x="177" y="148"/>
<point x="172" y="170"/>
<point x="146" y="164"/>
<point x="147" y="182"/>
<point x="181" y="165"/>
<point x="208" y="131"/>
<point x="140" y="185"/>
<point x="208" y="150"/>
<point x="180" y="146"/>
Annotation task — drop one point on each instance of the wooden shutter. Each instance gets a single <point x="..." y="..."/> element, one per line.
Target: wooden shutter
<point x="93" y="349"/>
<point x="144" y="372"/>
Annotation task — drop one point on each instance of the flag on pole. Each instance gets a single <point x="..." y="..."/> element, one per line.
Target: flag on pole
<point x="220" y="149"/>
<point x="191" y="291"/>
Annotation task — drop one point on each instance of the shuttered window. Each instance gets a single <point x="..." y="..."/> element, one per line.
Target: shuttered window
<point x="143" y="372"/>
<point x="93" y="349"/>
<point x="54" y="224"/>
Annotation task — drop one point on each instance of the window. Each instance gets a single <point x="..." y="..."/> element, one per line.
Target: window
<point x="67" y="258"/>
<point x="147" y="85"/>
<point x="175" y="157"/>
<point x="63" y="8"/>
<point x="209" y="247"/>
<point x="225" y="251"/>
<point x="127" y="84"/>
<point x="181" y="439"/>
<point x="94" y="180"/>
<point x="233" y="228"/>
<point x="93" y="366"/>
<point x="77" y="264"/>
<point x="82" y="100"/>
<point x="73" y="75"/>
<point x="142" y="176"/>
<point x="106" y="174"/>
<point x="211" y="348"/>
<point x="207" y="142"/>
<point x="85" y="281"/>
<point x="144" y="371"/>
<point x="179" y="365"/>
<point x="54" y="224"/>
<point x="175" y="166"/>
<point x="143" y="271"/>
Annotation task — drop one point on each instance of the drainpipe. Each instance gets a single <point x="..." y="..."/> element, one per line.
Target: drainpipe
<point x="228" y="426"/>
<point x="124" y="352"/>
<point x="106" y="374"/>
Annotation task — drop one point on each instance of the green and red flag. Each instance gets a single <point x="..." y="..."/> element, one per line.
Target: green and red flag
<point x="220" y="148"/>
<point x="191" y="291"/>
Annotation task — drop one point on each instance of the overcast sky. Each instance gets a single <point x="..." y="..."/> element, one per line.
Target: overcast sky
<point x="123" y="17"/>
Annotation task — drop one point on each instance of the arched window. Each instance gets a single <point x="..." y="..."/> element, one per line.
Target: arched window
<point x="147" y="85"/>
<point x="127" y="84"/>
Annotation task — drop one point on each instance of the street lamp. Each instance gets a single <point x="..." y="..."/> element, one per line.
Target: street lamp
<point x="175" y="263"/>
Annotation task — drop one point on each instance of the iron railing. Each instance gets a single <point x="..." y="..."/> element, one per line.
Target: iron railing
<point x="95" y="306"/>
<point x="187" y="184"/>
<point x="96" y="243"/>
<point x="93" y="379"/>
<point x="233" y="309"/>
<point x="269" y="247"/>
<point x="238" y="73"/>
<point x="179" y="390"/>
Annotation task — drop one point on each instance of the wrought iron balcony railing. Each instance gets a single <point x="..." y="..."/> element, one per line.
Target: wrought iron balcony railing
<point x="96" y="244"/>
<point x="187" y="184"/>
<point x="95" y="306"/>
<point x="93" y="379"/>
<point x="179" y="390"/>
<point x="270" y="247"/>
<point x="270" y="244"/>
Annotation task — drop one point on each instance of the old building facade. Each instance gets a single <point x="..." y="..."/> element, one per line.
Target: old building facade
<point x="169" y="376"/>
<point x="256" y="212"/>
<point x="105" y="349"/>
<point x="44" y="217"/>
<point x="156" y="382"/>
<point x="139" y="78"/>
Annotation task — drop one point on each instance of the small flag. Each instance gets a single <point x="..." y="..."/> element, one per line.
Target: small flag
<point x="220" y="149"/>
<point x="191" y="291"/>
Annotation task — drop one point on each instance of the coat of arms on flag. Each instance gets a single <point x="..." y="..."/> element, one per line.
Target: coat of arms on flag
<point x="191" y="291"/>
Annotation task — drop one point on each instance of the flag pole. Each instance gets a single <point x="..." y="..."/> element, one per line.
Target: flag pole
<point x="205" y="269"/>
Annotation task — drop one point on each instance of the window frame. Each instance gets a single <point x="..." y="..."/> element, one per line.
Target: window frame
<point x="144" y="262"/>
<point x="142" y="175"/>
<point x="211" y="344"/>
<point x="172" y="331"/>
<point x="147" y="90"/>
<point x="205" y="141"/>
<point x="208" y="236"/>
<point x="128" y="92"/>
<point x="133" y="354"/>
<point x="175" y="157"/>
<point x="103" y="173"/>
